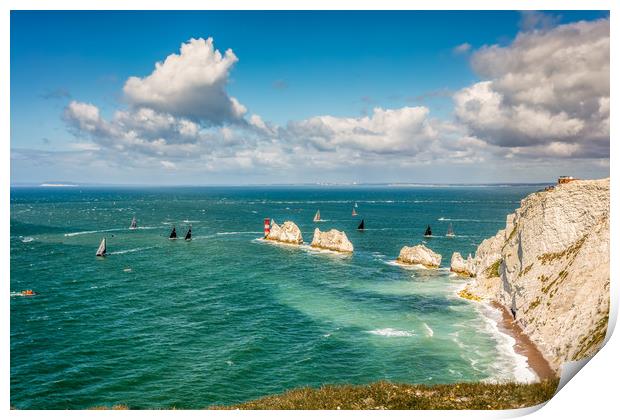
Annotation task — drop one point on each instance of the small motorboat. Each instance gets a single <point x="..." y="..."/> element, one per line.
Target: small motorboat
<point x="28" y="292"/>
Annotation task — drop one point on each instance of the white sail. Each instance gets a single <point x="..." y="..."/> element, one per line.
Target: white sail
<point x="317" y="216"/>
<point x="356" y="204"/>
<point x="450" y="232"/>
<point x="134" y="223"/>
<point x="102" y="248"/>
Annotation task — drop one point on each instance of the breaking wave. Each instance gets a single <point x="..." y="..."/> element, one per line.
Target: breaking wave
<point x="391" y="332"/>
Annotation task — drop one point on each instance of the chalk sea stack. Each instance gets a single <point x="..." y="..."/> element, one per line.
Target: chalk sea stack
<point x="333" y="240"/>
<point x="461" y="266"/>
<point x="419" y="254"/>
<point x="287" y="233"/>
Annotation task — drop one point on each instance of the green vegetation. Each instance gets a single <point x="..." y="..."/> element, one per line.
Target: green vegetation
<point x="388" y="396"/>
<point x="534" y="304"/>
<point x="493" y="269"/>
<point x="512" y="233"/>
<point x="591" y="343"/>
<point x="568" y="252"/>
<point x="561" y="276"/>
<point x="466" y="294"/>
<point x="527" y="269"/>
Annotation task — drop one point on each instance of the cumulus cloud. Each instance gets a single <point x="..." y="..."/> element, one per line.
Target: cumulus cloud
<point x="532" y="19"/>
<point x="191" y="84"/>
<point x="385" y="131"/>
<point x="546" y="95"/>
<point x="549" y="89"/>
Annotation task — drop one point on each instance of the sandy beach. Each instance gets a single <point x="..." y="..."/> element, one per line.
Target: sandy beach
<point x="524" y="345"/>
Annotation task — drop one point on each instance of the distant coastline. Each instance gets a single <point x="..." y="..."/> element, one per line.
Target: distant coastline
<point x="302" y="185"/>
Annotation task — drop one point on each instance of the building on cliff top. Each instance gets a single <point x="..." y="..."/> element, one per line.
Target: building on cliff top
<point x="566" y="179"/>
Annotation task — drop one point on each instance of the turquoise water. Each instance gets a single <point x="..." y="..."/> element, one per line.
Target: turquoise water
<point x="226" y="318"/>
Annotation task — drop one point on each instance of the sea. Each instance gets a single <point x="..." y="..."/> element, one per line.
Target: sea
<point x="228" y="317"/>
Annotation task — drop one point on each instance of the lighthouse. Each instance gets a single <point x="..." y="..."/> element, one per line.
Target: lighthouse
<point x="267" y="226"/>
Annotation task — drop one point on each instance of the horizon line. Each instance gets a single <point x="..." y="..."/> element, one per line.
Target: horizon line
<point x="304" y="184"/>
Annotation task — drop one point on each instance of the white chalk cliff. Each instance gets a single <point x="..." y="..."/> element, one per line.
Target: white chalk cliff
<point x="419" y="254"/>
<point x="333" y="240"/>
<point x="550" y="268"/>
<point x="464" y="267"/>
<point x="288" y="233"/>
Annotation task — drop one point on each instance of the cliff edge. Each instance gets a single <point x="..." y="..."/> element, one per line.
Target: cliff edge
<point x="550" y="268"/>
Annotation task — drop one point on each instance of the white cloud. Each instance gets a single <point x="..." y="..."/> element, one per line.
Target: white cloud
<point x="85" y="115"/>
<point x="167" y="164"/>
<point x="191" y="84"/>
<point x="385" y="131"/>
<point x="462" y="48"/>
<point x="549" y="87"/>
<point x="86" y="146"/>
<point x="545" y="96"/>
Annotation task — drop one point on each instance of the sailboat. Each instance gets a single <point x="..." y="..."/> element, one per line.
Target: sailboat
<point x="317" y="216"/>
<point x="428" y="231"/>
<point x="361" y="225"/>
<point x="134" y="223"/>
<point x="353" y="213"/>
<point x="188" y="235"/>
<point x="102" y="249"/>
<point x="450" y="233"/>
<point x="355" y="204"/>
<point x="173" y="234"/>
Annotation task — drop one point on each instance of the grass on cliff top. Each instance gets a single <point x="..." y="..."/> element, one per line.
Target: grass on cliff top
<point x="388" y="396"/>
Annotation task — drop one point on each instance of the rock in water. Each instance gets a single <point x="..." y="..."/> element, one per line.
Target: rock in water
<point x="288" y="233"/>
<point x="463" y="267"/>
<point x="419" y="254"/>
<point x="550" y="268"/>
<point x="333" y="240"/>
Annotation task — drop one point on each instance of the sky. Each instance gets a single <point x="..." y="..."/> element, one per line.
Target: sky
<point x="200" y="98"/>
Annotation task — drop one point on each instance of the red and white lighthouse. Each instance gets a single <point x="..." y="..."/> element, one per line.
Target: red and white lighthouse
<point x="267" y="226"/>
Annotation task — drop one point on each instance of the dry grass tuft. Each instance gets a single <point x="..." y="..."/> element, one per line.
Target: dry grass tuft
<point x="388" y="396"/>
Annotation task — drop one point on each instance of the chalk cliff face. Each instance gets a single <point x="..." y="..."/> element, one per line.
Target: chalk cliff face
<point x="464" y="267"/>
<point x="419" y="254"/>
<point x="288" y="233"/>
<point x="550" y="267"/>
<point x="333" y="240"/>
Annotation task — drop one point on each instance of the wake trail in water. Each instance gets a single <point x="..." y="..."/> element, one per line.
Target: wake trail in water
<point x="446" y="219"/>
<point x="90" y="232"/>
<point x="127" y="251"/>
<point x="238" y="233"/>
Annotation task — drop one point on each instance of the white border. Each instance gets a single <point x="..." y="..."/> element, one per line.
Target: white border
<point x="590" y="395"/>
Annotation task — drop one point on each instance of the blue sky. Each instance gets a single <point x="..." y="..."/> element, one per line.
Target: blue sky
<point x="292" y="67"/>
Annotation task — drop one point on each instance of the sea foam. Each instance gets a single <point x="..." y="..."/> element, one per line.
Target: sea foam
<point x="391" y="332"/>
<point x="510" y="360"/>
